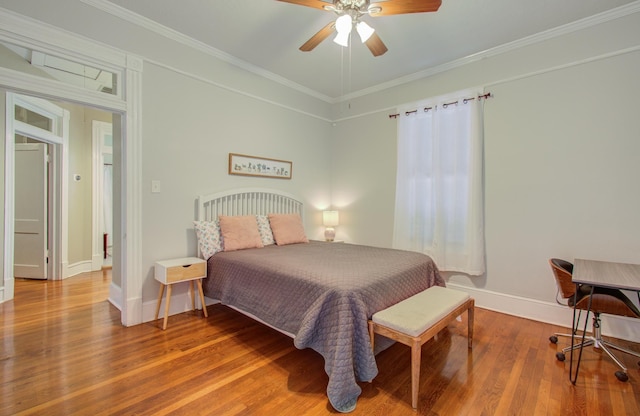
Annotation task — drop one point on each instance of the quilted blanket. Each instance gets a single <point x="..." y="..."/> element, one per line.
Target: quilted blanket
<point x="323" y="294"/>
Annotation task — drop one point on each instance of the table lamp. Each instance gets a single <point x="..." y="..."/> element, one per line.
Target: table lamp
<point x="330" y="220"/>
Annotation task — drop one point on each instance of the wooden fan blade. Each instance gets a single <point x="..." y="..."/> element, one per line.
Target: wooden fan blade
<point x="404" y="6"/>
<point x="316" y="4"/>
<point x="375" y="45"/>
<point x="322" y="34"/>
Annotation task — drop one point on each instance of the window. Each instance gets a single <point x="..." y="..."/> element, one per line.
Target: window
<point x="439" y="198"/>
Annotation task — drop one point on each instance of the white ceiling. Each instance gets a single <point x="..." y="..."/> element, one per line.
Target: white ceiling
<point x="266" y="34"/>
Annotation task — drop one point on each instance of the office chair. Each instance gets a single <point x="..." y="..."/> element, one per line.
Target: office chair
<point x="604" y="300"/>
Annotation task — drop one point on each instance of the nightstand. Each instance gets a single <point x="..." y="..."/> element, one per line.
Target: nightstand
<point x="188" y="269"/>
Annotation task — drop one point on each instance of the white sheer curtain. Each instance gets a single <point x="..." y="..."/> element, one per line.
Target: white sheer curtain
<point x="107" y="204"/>
<point x="439" y="184"/>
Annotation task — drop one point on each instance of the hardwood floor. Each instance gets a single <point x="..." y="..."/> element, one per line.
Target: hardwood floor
<point x="64" y="351"/>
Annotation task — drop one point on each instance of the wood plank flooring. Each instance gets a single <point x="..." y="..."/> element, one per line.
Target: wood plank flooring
<point x="63" y="351"/>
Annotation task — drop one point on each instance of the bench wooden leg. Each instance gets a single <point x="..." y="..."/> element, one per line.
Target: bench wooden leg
<point x="372" y="335"/>
<point x="416" y="351"/>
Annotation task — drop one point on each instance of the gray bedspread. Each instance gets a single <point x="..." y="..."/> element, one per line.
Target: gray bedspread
<point x="323" y="293"/>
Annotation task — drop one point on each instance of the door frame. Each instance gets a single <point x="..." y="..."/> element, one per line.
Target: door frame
<point x="99" y="129"/>
<point x="126" y="104"/>
<point x="58" y="224"/>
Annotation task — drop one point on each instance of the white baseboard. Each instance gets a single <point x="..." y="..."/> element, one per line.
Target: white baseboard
<point x="96" y="262"/>
<point x="536" y="310"/>
<point x="77" y="268"/>
<point x="615" y="326"/>
<point x="115" y="296"/>
<point x="180" y="302"/>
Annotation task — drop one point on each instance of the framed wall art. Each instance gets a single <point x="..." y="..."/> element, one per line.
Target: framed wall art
<point x="259" y="166"/>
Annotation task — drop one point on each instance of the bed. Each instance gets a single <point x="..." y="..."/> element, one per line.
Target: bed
<point x="319" y="293"/>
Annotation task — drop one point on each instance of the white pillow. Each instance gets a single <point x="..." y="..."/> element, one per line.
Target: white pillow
<point x="265" y="230"/>
<point x="209" y="237"/>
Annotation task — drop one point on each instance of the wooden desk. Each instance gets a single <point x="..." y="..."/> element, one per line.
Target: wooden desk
<point x="595" y="273"/>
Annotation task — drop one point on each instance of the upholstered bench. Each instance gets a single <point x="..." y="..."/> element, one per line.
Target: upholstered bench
<point x="419" y="318"/>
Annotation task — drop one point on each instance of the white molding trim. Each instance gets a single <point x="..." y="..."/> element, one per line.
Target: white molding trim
<point x="180" y="303"/>
<point x="115" y="296"/>
<point x="547" y="312"/>
<point x="235" y="90"/>
<point x="99" y="129"/>
<point x="79" y="267"/>
<point x="152" y="26"/>
<point x="587" y="22"/>
<point x="131" y="193"/>
<point x="50" y="89"/>
<point x="155" y="27"/>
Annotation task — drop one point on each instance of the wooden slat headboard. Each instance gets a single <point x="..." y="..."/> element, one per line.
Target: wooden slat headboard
<point x="247" y="201"/>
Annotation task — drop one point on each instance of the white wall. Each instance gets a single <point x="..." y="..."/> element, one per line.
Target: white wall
<point x="561" y="158"/>
<point x="187" y="142"/>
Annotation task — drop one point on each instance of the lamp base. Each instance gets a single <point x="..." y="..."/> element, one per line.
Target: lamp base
<point x="329" y="234"/>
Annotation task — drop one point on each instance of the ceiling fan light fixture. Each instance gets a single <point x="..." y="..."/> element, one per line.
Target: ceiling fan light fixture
<point x="342" y="39"/>
<point x="344" y="24"/>
<point x="364" y="30"/>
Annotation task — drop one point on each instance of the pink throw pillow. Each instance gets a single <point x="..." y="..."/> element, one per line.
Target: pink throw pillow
<point x="239" y="232"/>
<point x="287" y="229"/>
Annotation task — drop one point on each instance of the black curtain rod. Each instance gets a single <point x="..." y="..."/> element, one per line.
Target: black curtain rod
<point x="445" y="105"/>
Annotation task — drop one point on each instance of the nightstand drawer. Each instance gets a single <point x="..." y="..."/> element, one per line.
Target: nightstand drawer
<point x="172" y="271"/>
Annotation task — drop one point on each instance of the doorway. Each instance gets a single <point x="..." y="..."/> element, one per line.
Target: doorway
<point x="125" y="69"/>
<point x="37" y="128"/>
<point x="86" y="143"/>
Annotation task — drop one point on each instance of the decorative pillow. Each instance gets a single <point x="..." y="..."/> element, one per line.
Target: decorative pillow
<point x="209" y="238"/>
<point x="264" y="228"/>
<point x="287" y="229"/>
<point x="240" y="232"/>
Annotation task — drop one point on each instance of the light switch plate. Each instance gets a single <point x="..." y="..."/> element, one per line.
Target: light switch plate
<point x="155" y="187"/>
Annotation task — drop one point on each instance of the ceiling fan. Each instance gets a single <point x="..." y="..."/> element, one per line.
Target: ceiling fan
<point x="349" y="13"/>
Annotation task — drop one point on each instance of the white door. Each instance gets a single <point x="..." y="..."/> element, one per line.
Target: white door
<point x="30" y="205"/>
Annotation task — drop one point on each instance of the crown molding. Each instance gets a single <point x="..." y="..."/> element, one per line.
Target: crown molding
<point x="149" y="24"/>
<point x="136" y="19"/>
<point x="587" y="22"/>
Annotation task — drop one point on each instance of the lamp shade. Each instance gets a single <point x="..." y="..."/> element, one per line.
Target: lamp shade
<point x="330" y="218"/>
<point x="344" y="24"/>
<point x="364" y="30"/>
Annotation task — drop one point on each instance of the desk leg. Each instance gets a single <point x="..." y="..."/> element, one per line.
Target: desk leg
<point x="204" y="306"/>
<point x="159" y="300"/>
<point x="166" y="307"/>
<point x="584" y="332"/>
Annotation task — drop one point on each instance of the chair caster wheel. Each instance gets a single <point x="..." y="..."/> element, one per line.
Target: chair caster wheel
<point x="553" y="339"/>
<point x="560" y="356"/>
<point x="622" y="376"/>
